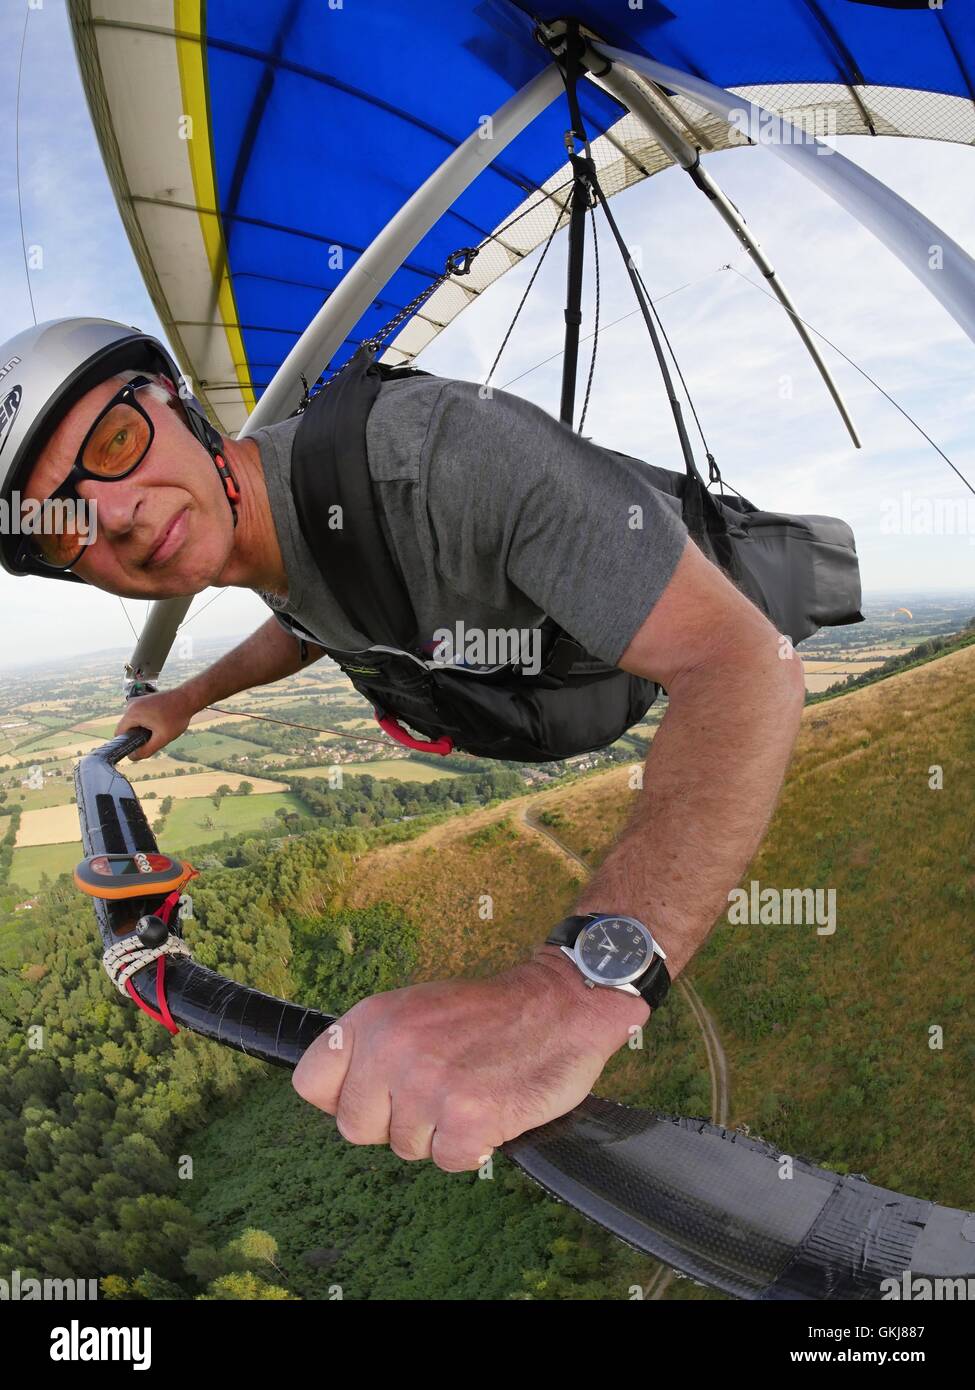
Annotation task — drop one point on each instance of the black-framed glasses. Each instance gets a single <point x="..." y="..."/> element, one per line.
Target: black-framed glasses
<point x="115" y="445"/>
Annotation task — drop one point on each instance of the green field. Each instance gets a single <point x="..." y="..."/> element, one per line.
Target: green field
<point x="34" y="860"/>
<point x="209" y="744"/>
<point x="57" y="792"/>
<point x="27" y="761"/>
<point x="104" y="728"/>
<point x="186" y="823"/>
<point x="64" y="738"/>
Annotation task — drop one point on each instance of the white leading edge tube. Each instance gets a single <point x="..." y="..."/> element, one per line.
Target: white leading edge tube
<point x="941" y="265"/>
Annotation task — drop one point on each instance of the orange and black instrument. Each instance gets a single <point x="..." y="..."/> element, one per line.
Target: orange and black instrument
<point x="136" y="875"/>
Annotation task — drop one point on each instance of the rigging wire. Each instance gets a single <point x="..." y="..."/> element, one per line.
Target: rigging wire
<point x="20" y="200"/>
<point x="691" y="284"/>
<point x="127" y="618"/>
<point x="677" y="367"/>
<point x="622" y="319"/>
<point x="864" y="373"/>
<point x="528" y="289"/>
<point x="313" y="728"/>
<point x="219" y="594"/>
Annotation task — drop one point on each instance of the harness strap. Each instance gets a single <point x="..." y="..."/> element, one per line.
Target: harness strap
<point x="330" y="470"/>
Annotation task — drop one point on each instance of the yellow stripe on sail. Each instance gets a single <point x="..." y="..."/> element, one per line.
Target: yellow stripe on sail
<point x="190" y="23"/>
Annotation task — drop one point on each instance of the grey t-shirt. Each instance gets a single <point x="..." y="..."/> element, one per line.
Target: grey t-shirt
<point x="496" y="514"/>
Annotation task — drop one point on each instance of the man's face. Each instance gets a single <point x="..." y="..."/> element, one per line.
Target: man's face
<point x="163" y="531"/>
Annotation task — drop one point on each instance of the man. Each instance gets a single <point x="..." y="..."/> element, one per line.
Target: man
<point x="502" y="522"/>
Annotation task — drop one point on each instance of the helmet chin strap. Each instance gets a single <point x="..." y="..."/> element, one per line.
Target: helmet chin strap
<point x="212" y="441"/>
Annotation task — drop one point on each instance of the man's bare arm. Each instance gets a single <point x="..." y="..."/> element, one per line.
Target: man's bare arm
<point x="715" y="767"/>
<point x="269" y="654"/>
<point x="411" y="1067"/>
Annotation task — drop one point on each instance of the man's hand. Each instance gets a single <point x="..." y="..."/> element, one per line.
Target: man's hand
<point x="451" y="1070"/>
<point x="269" y="654"/>
<point x="167" y="715"/>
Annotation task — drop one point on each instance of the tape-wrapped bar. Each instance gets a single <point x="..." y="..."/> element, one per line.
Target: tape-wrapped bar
<point x="731" y="1211"/>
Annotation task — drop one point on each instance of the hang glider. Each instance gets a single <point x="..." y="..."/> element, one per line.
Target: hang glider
<point x="292" y="174"/>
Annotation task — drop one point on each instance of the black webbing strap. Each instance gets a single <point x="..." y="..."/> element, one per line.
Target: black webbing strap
<point x="583" y="173"/>
<point x="329" y="468"/>
<point x="573" y="296"/>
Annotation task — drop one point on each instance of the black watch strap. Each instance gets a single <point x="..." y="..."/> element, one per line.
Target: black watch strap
<point x="565" y="933"/>
<point x="652" y="986"/>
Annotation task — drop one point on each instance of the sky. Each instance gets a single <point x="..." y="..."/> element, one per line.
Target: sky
<point x="765" y="411"/>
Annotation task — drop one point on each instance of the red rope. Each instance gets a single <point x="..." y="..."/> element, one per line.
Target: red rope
<point x="162" y="1015"/>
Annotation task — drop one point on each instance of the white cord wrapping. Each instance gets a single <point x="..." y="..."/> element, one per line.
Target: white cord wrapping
<point x="127" y="956"/>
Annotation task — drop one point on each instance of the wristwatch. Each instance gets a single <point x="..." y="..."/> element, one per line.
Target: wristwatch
<point x="614" y="951"/>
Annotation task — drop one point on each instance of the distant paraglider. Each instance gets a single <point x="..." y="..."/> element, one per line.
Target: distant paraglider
<point x="903" y="615"/>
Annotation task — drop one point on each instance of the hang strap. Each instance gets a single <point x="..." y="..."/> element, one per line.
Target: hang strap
<point x="583" y="175"/>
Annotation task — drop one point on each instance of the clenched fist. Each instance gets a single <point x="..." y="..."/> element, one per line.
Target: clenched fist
<point x="451" y="1070"/>
<point x="166" y="715"/>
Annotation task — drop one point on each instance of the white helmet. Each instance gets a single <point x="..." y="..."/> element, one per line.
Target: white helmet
<point x="46" y="370"/>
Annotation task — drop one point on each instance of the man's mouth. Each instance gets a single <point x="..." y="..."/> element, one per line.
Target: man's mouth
<point x="170" y="539"/>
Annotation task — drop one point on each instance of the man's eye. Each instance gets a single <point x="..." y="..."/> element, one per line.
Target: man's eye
<point x="120" y="438"/>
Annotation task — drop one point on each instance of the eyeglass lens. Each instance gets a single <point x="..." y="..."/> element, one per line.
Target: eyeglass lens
<point x="117" y="444"/>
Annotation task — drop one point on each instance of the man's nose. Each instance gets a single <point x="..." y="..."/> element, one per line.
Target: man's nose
<point x="114" y="505"/>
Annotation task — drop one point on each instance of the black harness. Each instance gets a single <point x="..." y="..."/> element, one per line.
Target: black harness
<point x="572" y="704"/>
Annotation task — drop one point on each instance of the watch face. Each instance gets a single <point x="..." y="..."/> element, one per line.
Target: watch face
<point x="615" y="949"/>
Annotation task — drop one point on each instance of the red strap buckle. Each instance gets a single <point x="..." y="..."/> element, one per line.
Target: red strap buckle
<point x="394" y="729"/>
